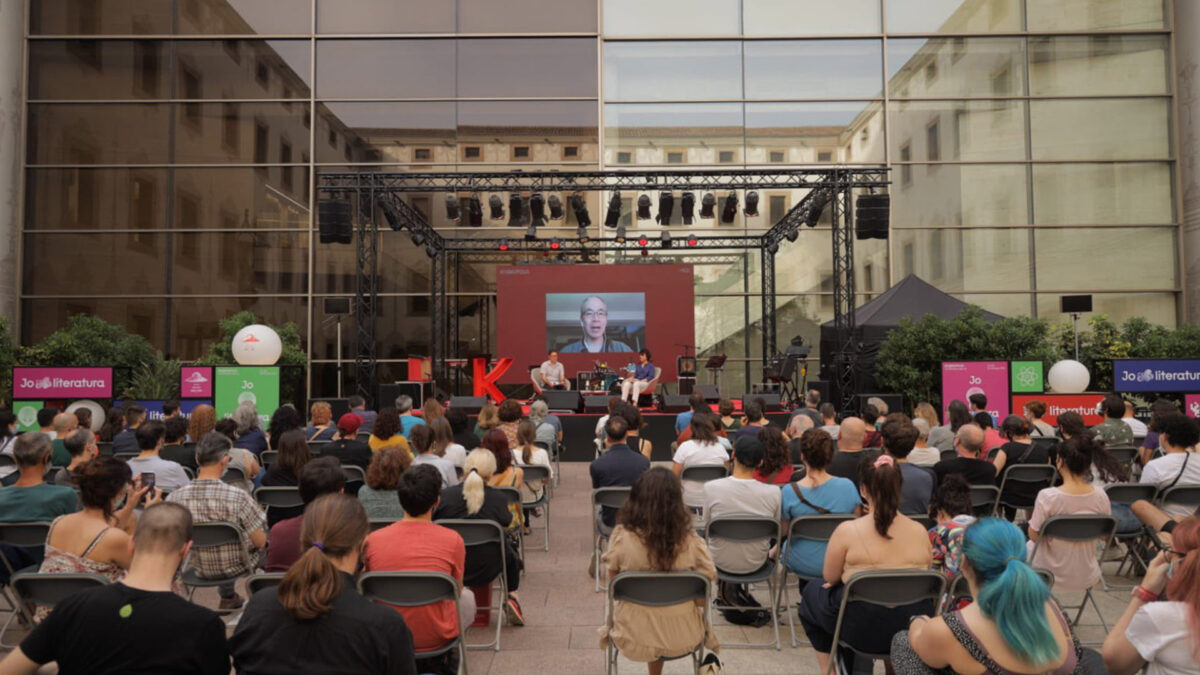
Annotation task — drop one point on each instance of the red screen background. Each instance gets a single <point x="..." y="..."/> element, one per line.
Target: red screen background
<point x="521" y="312"/>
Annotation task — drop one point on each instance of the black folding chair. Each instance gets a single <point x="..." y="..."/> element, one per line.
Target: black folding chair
<point x="234" y="476"/>
<point x="513" y="495"/>
<point x="1181" y="495"/>
<point x="812" y="528"/>
<point x="985" y="500"/>
<point x="885" y="589"/>
<point x="262" y="580"/>
<point x="31" y="537"/>
<point x="611" y="497"/>
<point x="268" y="457"/>
<point x="702" y="474"/>
<point x="280" y="502"/>
<point x="658" y="589"/>
<point x="961" y="590"/>
<point x="1049" y="444"/>
<point x="747" y="530"/>
<point x="1136" y="551"/>
<point x="477" y="534"/>
<point x="1078" y="528"/>
<point x="1034" y="477"/>
<point x="537" y="477"/>
<point x="48" y="589"/>
<point x="1125" y="454"/>
<point x="415" y="589"/>
<point x="212" y="535"/>
<point x="355" y="478"/>
<point x="380" y="523"/>
<point x="947" y="454"/>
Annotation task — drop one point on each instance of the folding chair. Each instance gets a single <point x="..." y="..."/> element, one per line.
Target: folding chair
<point x="658" y="589"/>
<point x="212" y="535"/>
<point x="960" y="589"/>
<point x="30" y="535"/>
<point x="1181" y="495"/>
<point x="985" y="499"/>
<point x="1126" y="494"/>
<point x="105" y="448"/>
<point x="478" y="534"/>
<point x="1035" y="476"/>
<point x="745" y="530"/>
<point x="415" y="589"/>
<point x="513" y="495"/>
<point x="263" y="580"/>
<point x="355" y="478"/>
<point x="812" y="528"/>
<point x="1049" y="444"/>
<point x="884" y="589"/>
<point x="49" y="589"/>
<point x="611" y="497"/>
<point x="1078" y="528"/>
<point x="702" y="474"/>
<point x="1125" y="454"/>
<point x="190" y="474"/>
<point x="126" y="456"/>
<point x="284" y="500"/>
<point x="948" y="454"/>
<point x="380" y="523"/>
<point x="234" y="476"/>
<point x="268" y="457"/>
<point x="533" y="474"/>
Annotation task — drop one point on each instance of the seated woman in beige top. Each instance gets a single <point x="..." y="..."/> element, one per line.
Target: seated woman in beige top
<point x="654" y="533"/>
<point x="883" y="539"/>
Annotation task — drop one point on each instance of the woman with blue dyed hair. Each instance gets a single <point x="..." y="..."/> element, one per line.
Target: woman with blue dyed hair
<point x="1014" y="627"/>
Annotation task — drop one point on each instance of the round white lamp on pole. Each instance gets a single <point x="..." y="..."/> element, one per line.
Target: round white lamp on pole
<point x="1068" y="377"/>
<point x="257" y="345"/>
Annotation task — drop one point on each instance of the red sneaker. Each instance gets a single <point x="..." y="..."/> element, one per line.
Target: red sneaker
<point x="512" y="611"/>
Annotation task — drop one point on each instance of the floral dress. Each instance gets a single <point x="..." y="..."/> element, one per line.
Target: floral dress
<point x="58" y="561"/>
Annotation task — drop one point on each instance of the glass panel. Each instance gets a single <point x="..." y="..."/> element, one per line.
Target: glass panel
<point x="84" y="17"/>
<point x="810" y="17"/>
<point x="141" y="316"/>
<point x="671" y="17"/>
<point x="653" y="71"/>
<point x="95" y="198"/>
<point x="1096" y="15"/>
<point x="407" y="267"/>
<point x="1004" y="304"/>
<point x="802" y="315"/>
<point x="721" y="326"/>
<point x="954" y="67"/>
<point x="966" y="130"/>
<point x="1158" y="308"/>
<point x="258" y="133"/>
<point x="239" y="263"/>
<point x="52" y="263"/>
<point x="1098" y="64"/>
<point x="526" y="67"/>
<point x="813" y="69"/>
<point x="1141" y="257"/>
<point x="385" y="68"/>
<point x="1101" y="129"/>
<point x="671" y="133"/>
<point x="1102" y="194"/>
<point x="385" y="16"/>
<point x="954" y="16"/>
<point x="240" y="17"/>
<point x="243" y="68"/>
<point x="194" y="324"/>
<point x="967" y="259"/>
<point x="97" y="69"/>
<point x="951" y="194"/>
<point x="529" y="131"/>
<point x="119" y="133"/>
<point x="814" y="133"/>
<point x="241" y="199"/>
<point x="527" y="16"/>
<point x="385" y="132"/>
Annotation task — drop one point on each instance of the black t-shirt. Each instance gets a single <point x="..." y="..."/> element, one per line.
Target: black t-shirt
<point x="349" y="451"/>
<point x="118" y="629"/>
<point x="356" y="636"/>
<point x="482" y="563"/>
<point x="467" y="439"/>
<point x="619" y="466"/>
<point x="182" y="454"/>
<point x="1022" y="493"/>
<point x="279" y="476"/>
<point x="975" y="471"/>
<point x="848" y="464"/>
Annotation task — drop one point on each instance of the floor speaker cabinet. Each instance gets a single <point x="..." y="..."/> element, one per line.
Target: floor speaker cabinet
<point x="418" y="391"/>
<point x="468" y="404"/>
<point x="771" y="401"/>
<point x="595" y="404"/>
<point x="340" y="406"/>
<point x="687" y="385"/>
<point x="560" y="400"/>
<point x="710" y="392"/>
<point x="674" y="403"/>
<point x="895" y="402"/>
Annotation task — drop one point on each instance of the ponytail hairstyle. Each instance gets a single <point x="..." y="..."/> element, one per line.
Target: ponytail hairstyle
<point x="1185" y="585"/>
<point x="526" y="435"/>
<point x="1010" y="593"/>
<point x="477" y="469"/>
<point x="880" y="479"/>
<point x="333" y="526"/>
<point x="1015" y="426"/>
<point x="1075" y="454"/>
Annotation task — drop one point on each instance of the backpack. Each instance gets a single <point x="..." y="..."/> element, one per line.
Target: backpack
<point x="736" y="594"/>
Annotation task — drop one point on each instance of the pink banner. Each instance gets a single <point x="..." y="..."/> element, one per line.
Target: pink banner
<point x="1191" y="404"/>
<point x="960" y="379"/>
<point x="196" y="382"/>
<point x="62" y="382"/>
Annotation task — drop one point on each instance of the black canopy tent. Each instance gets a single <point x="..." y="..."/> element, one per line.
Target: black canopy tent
<point x="911" y="297"/>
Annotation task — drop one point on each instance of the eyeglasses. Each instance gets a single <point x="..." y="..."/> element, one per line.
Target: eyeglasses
<point x="599" y="314"/>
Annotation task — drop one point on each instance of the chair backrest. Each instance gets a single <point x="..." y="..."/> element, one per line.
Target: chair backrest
<point x="703" y="474"/>
<point x="658" y="589"/>
<point x="269" y="457"/>
<point x="894" y="588"/>
<point x="380" y="523"/>
<point x="612" y="497"/>
<point x="475" y="532"/>
<point x="1186" y="495"/>
<point x="354" y="473"/>
<point x="188" y="470"/>
<point x="1048" y="443"/>
<point x="535" y="472"/>
<point x="817" y="527"/>
<point x="512" y="494"/>
<point x="1124" y="454"/>
<point x="233" y="475"/>
<point x="1043" y="474"/>
<point x="262" y="580"/>
<point x="51" y="589"/>
<point x="7" y="460"/>
<point x="1128" y="493"/>
<point x="743" y="528"/>
<point x="1079" y="527"/>
<point x="280" y="497"/>
<point x="959" y="588"/>
<point x="23" y="535"/>
<point x="984" y="496"/>
<point x="105" y="447"/>
<point x="126" y="456"/>
<point x="52" y="473"/>
<point x="948" y="454"/>
<point x="207" y="535"/>
<point x="408" y="589"/>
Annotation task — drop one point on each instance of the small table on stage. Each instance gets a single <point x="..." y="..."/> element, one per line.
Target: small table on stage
<point x="597" y="381"/>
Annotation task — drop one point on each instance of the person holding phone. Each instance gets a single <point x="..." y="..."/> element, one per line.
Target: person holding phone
<point x="167" y="475"/>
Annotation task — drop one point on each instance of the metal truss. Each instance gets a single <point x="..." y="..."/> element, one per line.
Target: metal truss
<point x="366" y="291"/>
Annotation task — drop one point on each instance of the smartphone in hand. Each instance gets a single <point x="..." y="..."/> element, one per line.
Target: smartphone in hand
<point x="148" y="479"/>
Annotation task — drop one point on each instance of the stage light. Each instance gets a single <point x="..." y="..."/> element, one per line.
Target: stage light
<point x="751" y="203"/>
<point x="516" y="211"/>
<point x="531" y="233"/>
<point x="614" y="211"/>
<point x="496" y="206"/>
<point x="730" y="211"/>
<point x="666" y="204"/>
<point x="620" y="238"/>
<point x="773" y="248"/>
<point x="503" y="245"/>
<point x="579" y="206"/>
<point x="389" y="213"/>
<point x="707" y="202"/>
<point x="555" y="244"/>
<point x="418" y="238"/>
<point x="556" y="207"/>
<point x="815" y="207"/>
<point x="692" y="240"/>
<point x="643" y="241"/>
<point x="581" y="233"/>
<point x="451" y="207"/>
<point x="430" y="251"/>
<point x="792" y="234"/>
<point x="665" y="239"/>
<point x="687" y="206"/>
<point x="643" y="207"/>
<point x="474" y="212"/>
<point x="537" y="208"/>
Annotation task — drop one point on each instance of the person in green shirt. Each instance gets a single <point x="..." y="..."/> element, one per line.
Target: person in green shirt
<point x="65" y="426"/>
<point x="31" y="498"/>
<point x="1113" y="430"/>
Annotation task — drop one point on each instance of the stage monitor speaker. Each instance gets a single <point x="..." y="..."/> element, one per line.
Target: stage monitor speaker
<point x="895" y="402"/>
<point x="418" y="391"/>
<point x="559" y="399"/>
<point x="595" y="404"/>
<point x="340" y="406"/>
<point x="468" y="404"/>
<point x="686" y="384"/>
<point x="771" y="401"/>
<point x="674" y="403"/>
<point x="1075" y="304"/>
<point x="710" y="392"/>
<point x="335" y="306"/>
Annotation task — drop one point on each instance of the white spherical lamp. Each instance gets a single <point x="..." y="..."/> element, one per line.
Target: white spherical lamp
<point x="257" y="345"/>
<point x="98" y="418"/>
<point x="1068" y="377"/>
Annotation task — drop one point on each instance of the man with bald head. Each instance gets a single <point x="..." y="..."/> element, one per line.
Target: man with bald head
<point x="968" y="442"/>
<point x="849" y="456"/>
<point x="65" y="426"/>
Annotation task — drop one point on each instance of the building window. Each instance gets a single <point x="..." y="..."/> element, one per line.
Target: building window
<point x="937" y="262"/>
<point x="1001" y="81"/>
<point x="824" y="155"/>
<point x="422" y="154"/>
<point x="145" y="55"/>
<point x="570" y="152"/>
<point x="910" y="258"/>
<point x="285" y="157"/>
<point x="261" y="142"/>
<point x="230" y="127"/>
<point x="142" y="205"/>
<point x="472" y="153"/>
<point x="262" y="73"/>
<point x="520" y="153"/>
<point x="624" y="157"/>
<point x="906" y="169"/>
<point x="777" y="208"/>
<point x="777" y="156"/>
<point x="958" y="49"/>
<point x="725" y="157"/>
<point x="864" y="135"/>
<point x="192" y="90"/>
<point x="676" y="156"/>
<point x="931" y="72"/>
<point x="348" y="150"/>
<point x="305" y="182"/>
<point x="868" y="279"/>
<point x="333" y="139"/>
<point x="933" y="142"/>
<point x="234" y="49"/>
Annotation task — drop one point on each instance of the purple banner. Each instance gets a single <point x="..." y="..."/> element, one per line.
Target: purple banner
<point x="960" y="379"/>
<point x="45" y="383"/>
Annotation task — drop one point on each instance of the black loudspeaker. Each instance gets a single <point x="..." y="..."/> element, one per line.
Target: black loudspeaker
<point x="468" y="404"/>
<point x="674" y="403"/>
<point x="340" y="406"/>
<point x="559" y="399"/>
<point x="871" y="216"/>
<point x="686" y="384"/>
<point x="334" y="221"/>
<point x="1075" y="304"/>
<point x="822" y="388"/>
<point x="710" y="392"/>
<point x="337" y="306"/>
<point x="895" y="402"/>
<point x="418" y="391"/>
<point x="595" y="404"/>
<point x="771" y="401"/>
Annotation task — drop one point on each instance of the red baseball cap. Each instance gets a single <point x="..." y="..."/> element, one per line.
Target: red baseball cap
<point x="349" y="423"/>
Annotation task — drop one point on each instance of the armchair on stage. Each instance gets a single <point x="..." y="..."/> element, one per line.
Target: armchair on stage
<point x="647" y="397"/>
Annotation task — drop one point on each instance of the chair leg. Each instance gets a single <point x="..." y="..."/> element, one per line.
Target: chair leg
<point x="546" y="523"/>
<point x="1088" y="597"/>
<point x="774" y="616"/>
<point x="787" y="607"/>
<point x="462" y="656"/>
<point x="15" y="613"/>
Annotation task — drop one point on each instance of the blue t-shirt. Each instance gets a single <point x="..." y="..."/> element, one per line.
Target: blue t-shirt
<point x="644" y="371"/>
<point x="804" y="556"/>
<point x="407" y="422"/>
<point x="682" y="421"/>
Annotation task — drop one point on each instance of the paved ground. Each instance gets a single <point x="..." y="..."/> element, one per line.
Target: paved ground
<point x="563" y="613"/>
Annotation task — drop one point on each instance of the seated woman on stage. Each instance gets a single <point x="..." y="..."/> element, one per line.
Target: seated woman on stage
<point x="637" y="381"/>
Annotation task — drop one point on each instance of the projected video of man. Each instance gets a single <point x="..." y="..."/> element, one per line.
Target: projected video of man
<point x="595" y="323"/>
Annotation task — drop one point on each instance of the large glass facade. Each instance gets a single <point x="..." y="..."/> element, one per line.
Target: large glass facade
<point x="1031" y="142"/>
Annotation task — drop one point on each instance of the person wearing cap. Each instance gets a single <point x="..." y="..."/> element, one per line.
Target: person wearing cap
<point x="741" y="495"/>
<point x="345" y="446"/>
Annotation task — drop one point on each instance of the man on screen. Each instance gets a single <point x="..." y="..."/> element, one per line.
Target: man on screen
<point x="552" y="373"/>
<point x="593" y="317"/>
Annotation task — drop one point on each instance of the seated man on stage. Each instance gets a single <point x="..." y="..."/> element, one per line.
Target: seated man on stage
<point x="593" y="318"/>
<point x="551" y="372"/>
<point x="638" y="379"/>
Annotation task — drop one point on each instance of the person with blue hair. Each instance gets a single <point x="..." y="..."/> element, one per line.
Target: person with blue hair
<point x="1013" y="627"/>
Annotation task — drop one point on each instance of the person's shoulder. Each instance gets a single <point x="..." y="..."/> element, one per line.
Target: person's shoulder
<point x="572" y="348"/>
<point x="618" y="346"/>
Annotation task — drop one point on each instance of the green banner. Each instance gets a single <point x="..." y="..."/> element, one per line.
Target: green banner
<point x="26" y="412"/>
<point x="256" y="384"/>
<point x="1027" y="377"/>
